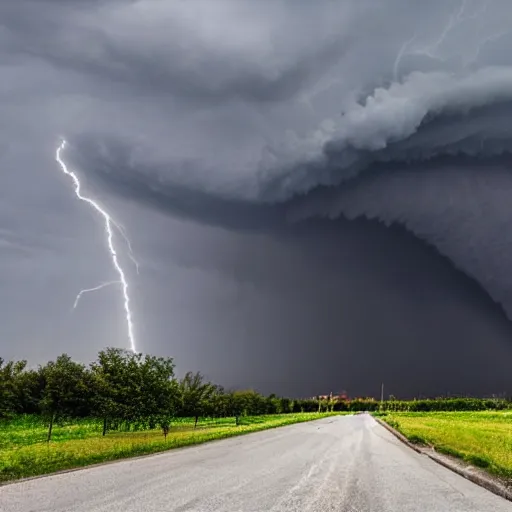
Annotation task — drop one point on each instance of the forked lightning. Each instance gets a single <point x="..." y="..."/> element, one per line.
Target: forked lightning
<point x="96" y="288"/>
<point x="108" y="224"/>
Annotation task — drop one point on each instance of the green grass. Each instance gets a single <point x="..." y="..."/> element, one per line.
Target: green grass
<point x="481" y="438"/>
<point x="24" y="451"/>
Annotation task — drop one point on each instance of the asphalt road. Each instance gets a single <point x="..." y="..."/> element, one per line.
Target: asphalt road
<point x="348" y="464"/>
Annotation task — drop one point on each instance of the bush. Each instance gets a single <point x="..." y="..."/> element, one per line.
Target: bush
<point x="445" y="404"/>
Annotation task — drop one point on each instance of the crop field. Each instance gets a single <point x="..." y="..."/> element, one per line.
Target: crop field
<point x="482" y="438"/>
<point x="24" y="451"/>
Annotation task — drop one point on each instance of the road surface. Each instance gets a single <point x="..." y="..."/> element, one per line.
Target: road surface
<point x="348" y="464"/>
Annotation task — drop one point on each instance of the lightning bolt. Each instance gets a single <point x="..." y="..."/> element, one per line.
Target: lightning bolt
<point x="108" y="223"/>
<point x="431" y="50"/>
<point x="401" y="53"/>
<point x="87" y="290"/>
<point x="121" y="230"/>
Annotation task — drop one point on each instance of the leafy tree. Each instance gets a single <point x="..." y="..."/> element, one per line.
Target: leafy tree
<point x="218" y="404"/>
<point x="114" y="377"/>
<point x="286" y="405"/>
<point x="273" y="405"/>
<point x="195" y="395"/>
<point x="29" y="386"/>
<point x="8" y="375"/>
<point x="297" y="406"/>
<point x="309" y="405"/>
<point x="237" y="405"/>
<point x="64" y="391"/>
<point x="156" y="394"/>
<point x="132" y="388"/>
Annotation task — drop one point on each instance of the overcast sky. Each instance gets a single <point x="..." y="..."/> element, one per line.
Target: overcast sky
<point x="318" y="194"/>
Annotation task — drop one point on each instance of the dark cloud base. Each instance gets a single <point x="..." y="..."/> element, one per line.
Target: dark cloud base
<point x="415" y="344"/>
<point x="411" y="318"/>
<point x="422" y="342"/>
<point x="405" y="316"/>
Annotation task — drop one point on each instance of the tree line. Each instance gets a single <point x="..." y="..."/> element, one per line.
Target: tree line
<point x="127" y="390"/>
<point x="446" y="404"/>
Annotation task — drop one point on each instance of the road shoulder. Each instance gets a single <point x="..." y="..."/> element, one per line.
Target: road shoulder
<point x="462" y="468"/>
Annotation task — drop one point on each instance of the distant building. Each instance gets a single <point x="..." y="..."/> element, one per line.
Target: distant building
<point x="331" y="396"/>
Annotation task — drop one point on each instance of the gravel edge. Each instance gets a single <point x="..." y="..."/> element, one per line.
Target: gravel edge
<point x="469" y="472"/>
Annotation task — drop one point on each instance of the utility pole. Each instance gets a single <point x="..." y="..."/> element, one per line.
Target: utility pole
<point x="382" y="393"/>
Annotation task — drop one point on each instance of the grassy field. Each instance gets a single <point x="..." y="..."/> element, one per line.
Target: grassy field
<point x="24" y="451"/>
<point x="480" y="438"/>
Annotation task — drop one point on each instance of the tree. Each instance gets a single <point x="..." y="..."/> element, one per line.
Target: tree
<point x="157" y="393"/>
<point x="237" y="405"/>
<point x="132" y="388"/>
<point x="20" y="389"/>
<point x="195" y="395"/>
<point x="286" y="405"/>
<point x="273" y="405"/>
<point x="8" y="375"/>
<point x="248" y="402"/>
<point x="113" y="376"/>
<point x="217" y="404"/>
<point x="29" y="386"/>
<point x="64" y="389"/>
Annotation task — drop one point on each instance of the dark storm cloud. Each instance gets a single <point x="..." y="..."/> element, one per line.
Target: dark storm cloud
<point x="440" y="97"/>
<point x="338" y="305"/>
<point x="251" y="115"/>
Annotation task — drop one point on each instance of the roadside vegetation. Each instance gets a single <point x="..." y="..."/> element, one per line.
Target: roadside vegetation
<point x="482" y="438"/>
<point x="24" y="452"/>
<point x="65" y="414"/>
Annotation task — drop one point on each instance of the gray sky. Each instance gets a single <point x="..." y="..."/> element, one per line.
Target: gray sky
<point x="242" y="145"/>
